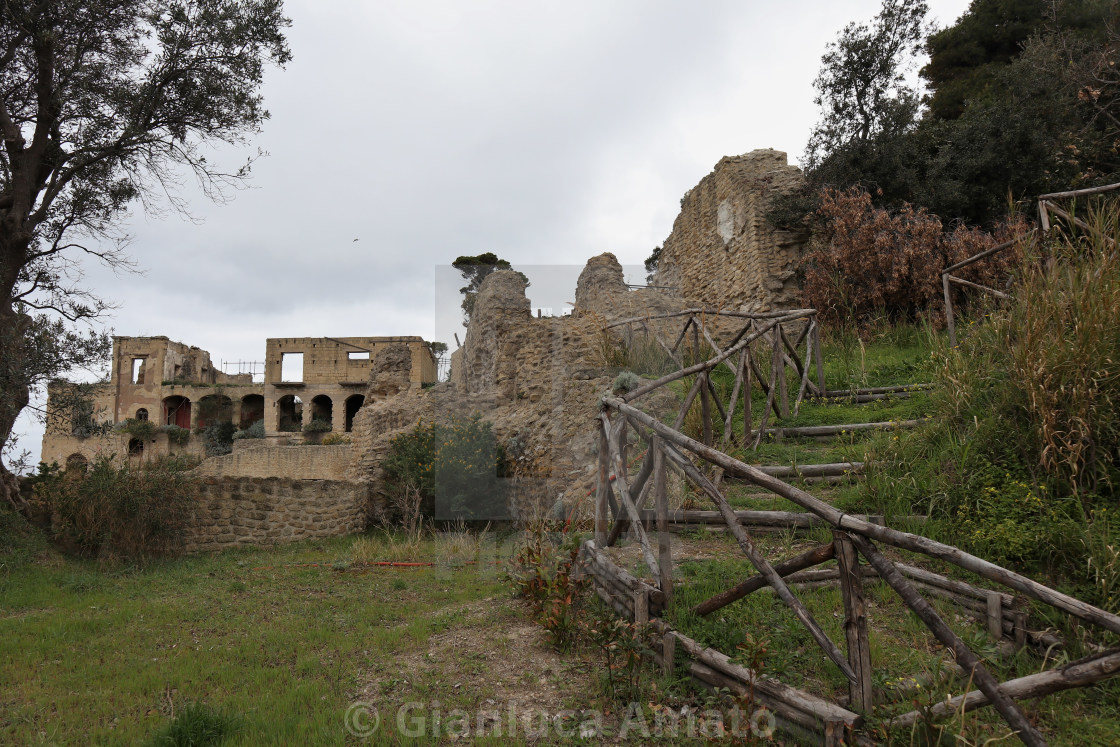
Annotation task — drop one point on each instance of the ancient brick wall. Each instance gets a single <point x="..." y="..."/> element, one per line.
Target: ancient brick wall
<point x="722" y="251"/>
<point x="294" y="462"/>
<point x="240" y="511"/>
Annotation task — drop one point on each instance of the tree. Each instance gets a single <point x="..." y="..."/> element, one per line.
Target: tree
<point x="104" y="103"/>
<point x="474" y="270"/>
<point x="861" y="87"/>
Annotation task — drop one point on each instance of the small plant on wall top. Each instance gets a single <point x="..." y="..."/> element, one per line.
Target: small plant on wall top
<point x="317" y="426"/>
<point x="335" y="439"/>
<point x="141" y="430"/>
<point x="176" y="434"/>
<point x="256" y="430"/>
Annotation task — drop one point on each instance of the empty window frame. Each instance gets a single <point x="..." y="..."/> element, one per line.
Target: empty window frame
<point x="291" y="367"/>
<point x="355" y="355"/>
<point x="138" y="370"/>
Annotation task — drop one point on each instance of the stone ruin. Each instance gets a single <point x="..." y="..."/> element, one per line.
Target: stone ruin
<point x="723" y="251"/>
<point x="537" y="380"/>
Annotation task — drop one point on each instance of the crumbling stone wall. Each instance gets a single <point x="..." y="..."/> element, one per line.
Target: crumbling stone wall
<point x="240" y="511"/>
<point x="536" y="379"/>
<point x="722" y="250"/>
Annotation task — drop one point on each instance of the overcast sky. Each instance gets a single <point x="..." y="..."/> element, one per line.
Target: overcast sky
<point x="404" y="134"/>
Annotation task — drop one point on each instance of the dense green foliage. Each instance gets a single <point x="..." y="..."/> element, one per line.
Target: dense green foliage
<point x="1024" y="99"/>
<point x="116" y="509"/>
<point x="457" y="466"/>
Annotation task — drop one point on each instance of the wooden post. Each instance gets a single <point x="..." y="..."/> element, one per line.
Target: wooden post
<point x="1043" y="215"/>
<point x="748" y="418"/>
<point x="664" y="537"/>
<point x="995" y="615"/>
<point x="706" y="409"/>
<point x="816" y="334"/>
<point x="641" y="607"/>
<point x="855" y="622"/>
<point x="668" y="653"/>
<point x="949" y="321"/>
<point x="780" y="373"/>
<point x="601" y="507"/>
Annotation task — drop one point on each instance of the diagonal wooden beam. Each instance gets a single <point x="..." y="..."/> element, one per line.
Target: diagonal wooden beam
<point x="961" y="652"/>
<point x="808" y="559"/>
<point x="746" y="544"/>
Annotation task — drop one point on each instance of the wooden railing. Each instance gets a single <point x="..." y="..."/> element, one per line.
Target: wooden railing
<point x="1047" y="208"/>
<point x="853" y="536"/>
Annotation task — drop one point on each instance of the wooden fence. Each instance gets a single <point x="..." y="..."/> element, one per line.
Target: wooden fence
<point x="1048" y="208"/>
<point x="852" y="537"/>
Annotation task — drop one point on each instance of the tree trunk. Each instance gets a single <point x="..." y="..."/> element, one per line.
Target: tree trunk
<point x="14" y="395"/>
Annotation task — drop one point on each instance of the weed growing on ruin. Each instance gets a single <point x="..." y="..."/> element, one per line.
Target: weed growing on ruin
<point x="118" y="509"/>
<point x="317" y="425"/>
<point x="335" y="439"/>
<point x="256" y="430"/>
<point x="218" y="438"/>
<point x="176" y="434"/>
<point x="141" y="430"/>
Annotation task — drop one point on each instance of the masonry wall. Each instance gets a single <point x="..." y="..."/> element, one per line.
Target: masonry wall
<point x="723" y="252"/>
<point x="242" y="511"/>
<point x="294" y="462"/>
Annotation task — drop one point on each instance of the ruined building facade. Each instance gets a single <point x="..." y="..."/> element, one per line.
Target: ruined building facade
<point x="168" y="383"/>
<point x="723" y="252"/>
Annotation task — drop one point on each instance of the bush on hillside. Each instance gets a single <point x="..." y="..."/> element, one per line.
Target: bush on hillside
<point x="867" y="263"/>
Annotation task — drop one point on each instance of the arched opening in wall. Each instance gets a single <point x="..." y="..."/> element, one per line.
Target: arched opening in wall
<point x="252" y="410"/>
<point x="142" y="413"/>
<point x="353" y="403"/>
<point x="214" y="408"/>
<point x="135" y="447"/>
<point x="322" y="409"/>
<point x="77" y="461"/>
<point x="177" y="411"/>
<point x="290" y="416"/>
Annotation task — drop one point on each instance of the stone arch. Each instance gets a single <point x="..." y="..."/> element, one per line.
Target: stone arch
<point x="290" y="415"/>
<point x="353" y="403"/>
<point x="141" y="413"/>
<point x="322" y="408"/>
<point x="252" y="410"/>
<point x="214" y="408"/>
<point x="177" y="411"/>
<point x="77" y="461"/>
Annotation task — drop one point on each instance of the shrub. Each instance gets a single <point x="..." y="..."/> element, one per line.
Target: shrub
<point x="219" y="438"/>
<point x="176" y="434"/>
<point x="867" y="263"/>
<point x="456" y="466"/>
<point x="256" y="430"/>
<point x="127" y="511"/>
<point x="541" y="572"/>
<point x="335" y="439"/>
<point x="625" y="382"/>
<point x="317" y="426"/>
<point x="196" y="725"/>
<point x="141" y="430"/>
